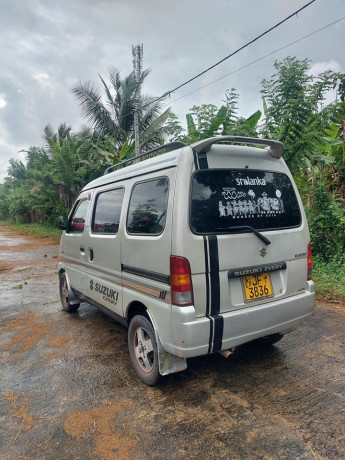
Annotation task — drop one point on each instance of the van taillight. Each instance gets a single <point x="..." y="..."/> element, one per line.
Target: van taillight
<point x="310" y="262"/>
<point x="180" y="282"/>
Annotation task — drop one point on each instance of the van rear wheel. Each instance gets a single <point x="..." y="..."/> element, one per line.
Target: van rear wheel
<point x="63" y="288"/>
<point x="143" y="350"/>
<point x="270" y="339"/>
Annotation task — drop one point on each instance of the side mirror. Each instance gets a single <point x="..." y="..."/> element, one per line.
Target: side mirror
<point x="78" y="224"/>
<point x="62" y="223"/>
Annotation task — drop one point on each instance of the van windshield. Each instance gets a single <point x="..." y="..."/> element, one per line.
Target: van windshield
<point x="222" y="199"/>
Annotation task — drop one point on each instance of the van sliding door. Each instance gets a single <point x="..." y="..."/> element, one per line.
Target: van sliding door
<point x="103" y="252"/>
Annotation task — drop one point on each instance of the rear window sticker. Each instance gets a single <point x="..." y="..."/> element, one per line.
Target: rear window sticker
<point x="262" y="206"/>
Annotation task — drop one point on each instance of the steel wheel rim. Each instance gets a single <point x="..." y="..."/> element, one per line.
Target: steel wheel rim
<point x="143" y="349"/>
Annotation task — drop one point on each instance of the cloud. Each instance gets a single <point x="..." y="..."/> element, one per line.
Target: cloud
<point x="320" y="67"/>
<point x="48" y="47"/>
<point x="3" y="101"/>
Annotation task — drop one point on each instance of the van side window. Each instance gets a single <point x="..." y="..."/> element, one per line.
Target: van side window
<point x="148" y="207"/>
<point x="106" y="217"/>
<point x="78" y="217"/>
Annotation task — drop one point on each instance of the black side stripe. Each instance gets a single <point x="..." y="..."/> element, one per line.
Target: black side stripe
<point x="207" y="284"/>
<point x="196" y="163"/>
<point x="146" y="274"/>
<point x="218" y="333"/>
<point x="212" y="281"/>
<point x="214" y="275"/>
<point x="210" y="343"/>
<point x="207" y="281"/>
<point x="202" y="157"/>
<point x="217" y="320"/>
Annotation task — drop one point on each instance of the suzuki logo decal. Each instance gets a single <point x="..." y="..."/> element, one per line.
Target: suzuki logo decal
<point x="263" y="252"/>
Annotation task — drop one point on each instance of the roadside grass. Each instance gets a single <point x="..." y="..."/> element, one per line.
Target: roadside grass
<point x="329" y="278"/>
<point x="37" y="230"/>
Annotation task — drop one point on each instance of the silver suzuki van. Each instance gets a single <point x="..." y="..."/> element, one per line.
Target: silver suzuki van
<point x="196" y="250"/>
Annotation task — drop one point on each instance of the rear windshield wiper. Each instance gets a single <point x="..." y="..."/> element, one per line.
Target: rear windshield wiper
<point x="251" y="229"/>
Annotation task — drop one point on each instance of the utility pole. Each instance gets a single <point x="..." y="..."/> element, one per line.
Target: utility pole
<point x="137" y="52"/>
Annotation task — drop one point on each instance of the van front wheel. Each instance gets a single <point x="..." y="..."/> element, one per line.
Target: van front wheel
<point x="63" y="288"/>
<point x="143" y="350"/>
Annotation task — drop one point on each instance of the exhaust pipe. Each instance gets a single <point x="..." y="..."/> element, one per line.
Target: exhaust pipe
<point x="227" y="353"/>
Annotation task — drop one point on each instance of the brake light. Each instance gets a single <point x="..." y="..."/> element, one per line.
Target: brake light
<point x="310" y="262"/>
<point x="180" y="282"/>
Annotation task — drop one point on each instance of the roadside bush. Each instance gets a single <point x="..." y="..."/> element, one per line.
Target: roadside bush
<point x="329" y="278"/>
<point x="326" y="218"/>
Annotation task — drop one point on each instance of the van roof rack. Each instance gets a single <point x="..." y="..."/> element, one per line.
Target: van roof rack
<point x="169" y="147"/>
<point x="275" y="147"/>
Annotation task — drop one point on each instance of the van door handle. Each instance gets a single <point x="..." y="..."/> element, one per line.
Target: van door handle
<point x="91" y="255"/>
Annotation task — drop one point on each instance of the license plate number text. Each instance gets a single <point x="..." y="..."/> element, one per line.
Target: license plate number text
<point x="257" y="286"/>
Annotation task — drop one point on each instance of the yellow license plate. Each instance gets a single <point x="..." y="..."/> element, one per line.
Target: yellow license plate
<point x="257" y="286"/>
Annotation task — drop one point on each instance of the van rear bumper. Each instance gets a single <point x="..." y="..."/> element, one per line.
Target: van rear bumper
<point x="191" y="335"/>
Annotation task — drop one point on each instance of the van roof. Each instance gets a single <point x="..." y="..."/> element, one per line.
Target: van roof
<point x="164" y="161"/>
<point x="171" y="159"/>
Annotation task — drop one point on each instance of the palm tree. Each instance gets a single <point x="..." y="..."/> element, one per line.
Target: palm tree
<point x="74" y="160"/>
<point x="114" y="118"/>
<point x="49" y="135"/>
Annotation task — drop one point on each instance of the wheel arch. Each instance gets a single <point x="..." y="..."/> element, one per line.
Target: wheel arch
<point x="168" y="363"/>
<point x="137" y="308"/>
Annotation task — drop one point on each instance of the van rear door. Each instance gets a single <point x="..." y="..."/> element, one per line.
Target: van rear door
<point x="254" y="235"/>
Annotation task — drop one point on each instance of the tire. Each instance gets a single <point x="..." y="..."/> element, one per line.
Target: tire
<point x="270" y="339"/>
<point x="63" y="288"/>
<point x="143" y="350"/>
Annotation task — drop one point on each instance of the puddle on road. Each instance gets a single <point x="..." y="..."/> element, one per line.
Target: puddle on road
<point x="13" y="249"/>
<point x="7" y="240"/>
<point x="11" y="241"/>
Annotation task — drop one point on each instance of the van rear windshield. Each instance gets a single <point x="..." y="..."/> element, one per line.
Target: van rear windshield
<point x="225" y="198"/>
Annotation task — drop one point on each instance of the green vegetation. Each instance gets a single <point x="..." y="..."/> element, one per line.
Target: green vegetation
<point x="18" y="286"/>
<point x="305" y="111"/>
<point x="329" y="278"/>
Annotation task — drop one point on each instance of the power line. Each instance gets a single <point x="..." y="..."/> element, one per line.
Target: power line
<point x="256" y="60"/>
<point x="243" y="67"/>
<point x="230" y="55"/>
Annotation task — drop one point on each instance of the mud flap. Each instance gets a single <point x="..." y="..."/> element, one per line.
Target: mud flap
<point x="168" y="363"/>
<point x="72" y="298"/>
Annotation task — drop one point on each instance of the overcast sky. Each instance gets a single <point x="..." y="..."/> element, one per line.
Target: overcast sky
<point x="47" y="47"/>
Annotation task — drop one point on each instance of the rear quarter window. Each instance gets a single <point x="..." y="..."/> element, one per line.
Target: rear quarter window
<point x="224" y="199"/>
<point x="148" y="207"/>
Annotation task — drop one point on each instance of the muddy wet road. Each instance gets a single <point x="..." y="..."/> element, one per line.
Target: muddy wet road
<point x="67" y="390"/>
